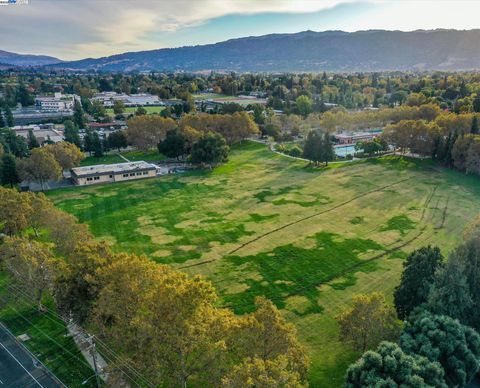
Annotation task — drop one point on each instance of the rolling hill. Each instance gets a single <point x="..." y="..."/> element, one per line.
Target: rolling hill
<point x="13" y="59"/>
<point x="373" y="50"/>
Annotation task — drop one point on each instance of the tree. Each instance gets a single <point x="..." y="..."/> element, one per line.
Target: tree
<point x="456" y="290"/>
<point x="32" y="140"/>
<point x="31" y="265"/>
<point x="444" y="340"/>
<point x="327" y="151"/>
<point x="417" y="278"/>
<point x="460" y="152"/>
<point x="304" y="105"/>
<point x="78" y="115"/>
<point x="2" y="120"/>
<point x="211" y="149"/>
<point x="97" y="146"/>
<point x="145" y="132"/>
<point x="117" y="140"/>
<point x="76" y="289"/>
<point x="15" y="211"/>
<point x="40" y="167"/>
<point x="312" y="149"/>
<point x="118" y="107"/>
<point x="266" y="374"/>
<point x="67" y="155"/>
<point x="474" y="130"/>
<point x="265" y="335"/>
<point x="368" y="322"/>
<point x="8" y="173"/>
<point x="141" y="111"/>
<point x="173" y="146"/>
<point x="473" y="157"/>
<point x="9" y="116"/>
<point x="389" y="366"/>
<point x="71" y="133"/>
<point x="165" y="321"/>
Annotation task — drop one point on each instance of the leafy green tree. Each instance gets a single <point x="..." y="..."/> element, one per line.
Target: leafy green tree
<point x="118" y="107"/>
<point x="173" y="146"/>
<point x="474" y="129"/>
<point x="8" y="173"/>
<point x="9" y="116"/>
<point x="117" y="140"/>
<point x="71" y="133"/>
<point x="456" y="291"/>
<point x="2" y="120"/>
<point x="417" y="279"/>
<point x="31" y="265"/>
<point x="304" y="105"/>
<point x="266" y="374"/>
<point x="312" y="149"/>
<point x="141" y="111"/>
<point x="32" y="140"/>
<point x="76" y="289"/>
<point x="97" y="146"/>
<point x="368" y="322"/>
<point x="14" y="143"/>
<point x="210" y="149"/>
<point x="78" y="115"/>
<point x="443" y="339"/>
<point x="327" y="151"/>
<point x="389" y="366"/>
<point x="40" y="167"/>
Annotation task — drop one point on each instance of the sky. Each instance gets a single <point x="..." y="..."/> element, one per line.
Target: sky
<point x="76" y="29"/>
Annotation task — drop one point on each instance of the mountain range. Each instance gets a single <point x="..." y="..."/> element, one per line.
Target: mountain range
<point x="373" y="50"/>
<point x="13" y="59"/>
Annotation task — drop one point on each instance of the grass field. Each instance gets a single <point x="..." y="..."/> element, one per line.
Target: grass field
<point x="133" y="109"/>
<point x="133" y="156"/>
<point x="263" y="224"/>
<point x="48" y="340"/>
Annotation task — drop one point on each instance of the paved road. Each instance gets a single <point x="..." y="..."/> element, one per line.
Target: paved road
<point x="19" y="369"/>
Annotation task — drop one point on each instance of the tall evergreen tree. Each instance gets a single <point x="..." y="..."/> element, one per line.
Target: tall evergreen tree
<point x="328" y="153"/>
<point x="9" y="116"/>
<point x="474" y="128"/>
<point x="2" y="120"/>
<point x="78" y="115"/>
<point x="8" y="173"/>
<point x="417" y="279"/>
<point x="32" y="140"/>
<point x="71" y="134"/>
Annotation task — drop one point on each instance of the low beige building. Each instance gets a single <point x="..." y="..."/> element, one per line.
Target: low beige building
<point x="105" y="173"/>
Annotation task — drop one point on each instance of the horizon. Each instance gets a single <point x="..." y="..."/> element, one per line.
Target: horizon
<point x="90" y="29"/>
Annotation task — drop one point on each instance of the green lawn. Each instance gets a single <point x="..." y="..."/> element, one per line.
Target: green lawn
<point x="264" y="224"/>
<point x="133" y="156"/>
<point x="132" y="109"/>
<point x="48" y="340"/>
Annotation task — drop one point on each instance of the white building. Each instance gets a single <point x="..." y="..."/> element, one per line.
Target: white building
<point x="105" y="173"/>
<point x="143" y="99"/>
<point x="57" y="103"/>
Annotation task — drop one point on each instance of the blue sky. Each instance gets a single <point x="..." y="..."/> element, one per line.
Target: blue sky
<point x="75" y="29"/>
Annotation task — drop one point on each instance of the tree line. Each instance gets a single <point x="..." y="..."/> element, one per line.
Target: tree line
<point x="166" y="324"/>
<point x="431" y="336"/>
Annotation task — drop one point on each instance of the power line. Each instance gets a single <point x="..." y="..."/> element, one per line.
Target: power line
<point x="119" y="360"/>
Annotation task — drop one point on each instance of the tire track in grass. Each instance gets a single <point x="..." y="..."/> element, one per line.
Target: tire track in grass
<point x="356" y="266"/>
<point x="259" y="237"/>
<point x="350" y="269"/>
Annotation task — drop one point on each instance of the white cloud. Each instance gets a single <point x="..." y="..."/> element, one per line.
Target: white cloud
<point x="74" y="29"/>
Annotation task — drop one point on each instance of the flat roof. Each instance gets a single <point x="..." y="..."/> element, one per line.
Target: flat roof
<point x="118" y="168"/>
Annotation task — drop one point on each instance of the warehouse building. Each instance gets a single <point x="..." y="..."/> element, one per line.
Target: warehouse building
<point x="106" y="173"/>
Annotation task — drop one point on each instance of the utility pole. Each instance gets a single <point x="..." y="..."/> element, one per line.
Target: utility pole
<point x="93" y="352"/>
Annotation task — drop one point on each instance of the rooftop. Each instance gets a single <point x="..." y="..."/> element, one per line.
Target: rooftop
<point x="118" y="168"/>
